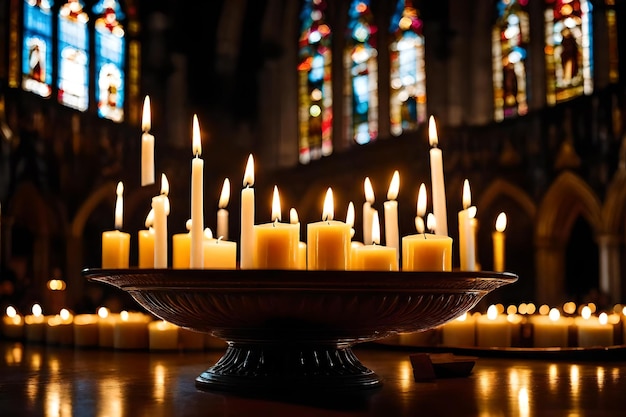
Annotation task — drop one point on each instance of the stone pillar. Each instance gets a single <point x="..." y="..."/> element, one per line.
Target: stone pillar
<point x="610" y="275"/>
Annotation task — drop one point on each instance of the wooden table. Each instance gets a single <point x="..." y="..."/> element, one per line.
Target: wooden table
<point x="40" y="380"/>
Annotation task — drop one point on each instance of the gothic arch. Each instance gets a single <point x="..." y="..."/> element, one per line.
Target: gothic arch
<point x="104" y="192"/>
<point x="501" y="187"/>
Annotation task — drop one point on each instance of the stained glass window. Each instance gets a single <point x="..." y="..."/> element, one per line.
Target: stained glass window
<point x="510" y="54"/>
<point x="73" y="82"/>
<point x="611" y="24"/>
<point x="109" y="60"/>
<point x="37" y="47"/>
<point x="361" y="66"/>
<point x="569" y="53"/>
<point x="407" y="100"/>
<point x="315" y="100"/>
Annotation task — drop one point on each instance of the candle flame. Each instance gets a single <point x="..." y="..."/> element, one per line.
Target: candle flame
<point x="150" y="219"/>
<point x="197" y="141"/>
<point x="585" y="312"/>
<point x="419" y="224"/>
<point x="369" y="191"/>
<point x="145" y="119"/>
<point x="492" y="312"/>
<point x="11" y="311"/>
<point x="165" y="185"/>
<point x="603" y="318"/>
<point x="350" y="214"/>
<point x="65" y="314"/>
<point x="394" y="186"/>
<point x="293" y="216"/>
<point x="248" y="176"/>
<point x="462" y="317"/>
<point x="471" y="211"/>
<point x="421" y="201"/>
<point x="208" y="233"/>
<point x="432" y="132"/>
<point x="329" y="209"/>
<point x="501" y="222"/>
<point x="276" y="215"/>
<point x="36" y="310"/>
<point x="467" y="195"/>
<point x="188" y="224"/>
<point x="554" y="314"/>
<point x="431" y="222"/>
<point x="225" y="195"/>
<point x="375" y="229"/>
<point x="119" y="206"/>
<point x="103" y="312"/>
<point x="124" y="315"/>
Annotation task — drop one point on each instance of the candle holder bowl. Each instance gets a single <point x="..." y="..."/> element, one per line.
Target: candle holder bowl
<point x="292" y="331"/>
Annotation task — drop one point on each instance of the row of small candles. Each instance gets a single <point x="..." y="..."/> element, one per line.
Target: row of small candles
<point x="277" y="244"/>
<point x="125" y="330"/>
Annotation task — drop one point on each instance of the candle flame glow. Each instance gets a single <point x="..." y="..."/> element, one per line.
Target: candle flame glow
<point x="394" y="186"/>
<point x="150" y="219"/>
<point x="471" y="211"/>
<point x="36" y="310"/>
<point x="103" y="312"/>
<point x="603" y="318"/>
<point x="432" y="132"/>
<point x="225" y="195"/>
<point x="369" y="191"/>
<point x="431" y="222"/>
<point x="208" y="233"/>
<point x="419" y="224"/>
<point x="462" y="317"/>
<point x="165" y="185"/>
<point x="197" y="141"/>
<point x="467" y="195"/>
<point x="350" y="214"/>
<point x="276" y="215"/>
<point x="145" y="120"/>
<point x="501" y="222"/>
<point x="375" y="229"/>
<point x="124" y="315"/>
<point x="328" y="213"/>
<point x="554" y="314"/>
<point x="65" y="314"/>
<point x="585" y="312"/>
<point x="119" y="206"/>
<point x="188" y="224"/>
<point x="11" y="311"/>
<point x="492" y="312"/>
<point x="421" y="200"/>
<point x="248" y="176"/>
<point x="293" y="216"/>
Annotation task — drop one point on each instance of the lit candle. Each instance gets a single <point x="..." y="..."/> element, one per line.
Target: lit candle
<point x="460" y="331"/>
<point x="368" y="211"/>
<point x="467" y="255"/>
<point x="162" y="335"/>
<point x="551" y="330"/>
<point x="498" y="243"/>
<point x="147" y="146"/>
<point x="426" y="251"/>
<point x="247" y="217"/>
<point x="219" y="253"/>
<point x="106" y="327"/>
<point x="493" y="329"/>
<point x="293" y="219"/>
<point x="34" y="325"/>
<point x="197" y="197"/>
<point x="86" y="330"/>
<point x="437" y="180"/>
<point x="146" y="243"/>
<point x="60" y="329"/>
<point x="181" y="248"/>
<point x="276" y="244"/>
<point x="391" y="214"/>
<point x="160" y="206"/>
<point x="374" y="257"/>
<point x="222" y="213"/>
<point x="12" y="324"/>
<point x="131" y="331"/>
<point x="115" y="243"/>
<point x="592" y="330"/>
<point x="472" y="210"/>
<point x="328" y="241"/>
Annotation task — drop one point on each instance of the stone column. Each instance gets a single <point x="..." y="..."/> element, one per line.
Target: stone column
<point x="610" y="277"/>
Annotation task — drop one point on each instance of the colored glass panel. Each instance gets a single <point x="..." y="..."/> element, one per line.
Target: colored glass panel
<point x="73" y="83"/>
<point x="37" y="48"/>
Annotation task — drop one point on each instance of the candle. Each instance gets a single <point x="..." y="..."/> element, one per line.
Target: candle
<point x="219" y="253"/>
<point x="86" y="329"/>
<point x="460" y="331"/>
<point x="374" y="257"/>
<point x="593" y="331"/>
<point x="106" y="327"/>
<point x="147" y="146"/>
<point x="437" y="180"/>
<point x="472" y="210"/>
<point x="181" y="248"/>
<point x="115" y="243"/>
<point x="60" y="329"/>
<point x="222" y="213"/>
<point x="34" y="325"/>
<point x="160" y="205"/>
<point x="426" y="251"/>
<point x="391" y="215"/>
<point x="493" y="329"/>
<point x="498" y="243"/>
<point x="293" y="219"/>
<point x="328" y="241"/>
<point x="466" y="237"/>
<point x="247" y="217"/>
<point x="131" y="331"/>
<point x="12" y="324"/>
<point x="197" y="197"/>
<point x="368" y="211"/>
<point x="162" y="335"/>
<point x="551" y="330"/>
<point x="276" y="244"/>
<point x="146" y="243"/>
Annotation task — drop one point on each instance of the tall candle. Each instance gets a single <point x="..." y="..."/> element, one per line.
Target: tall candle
<point x="106" y="327"/>
<point x="247" y="217"/>
<point x="368" y="211"/>
<point x="219" y="253"/>
<point x="197" y="200"/>
<point x="466" y="237"/>
<point x="222" y="213"/>
<point x="498" y="243"/>
<point x="294" y="219"/>
<point x="392" y="238"/>
<point x="437" y="180"/>
<point x="472" y="211"/>
<point x="147" y="146"/>
<point x="328" y="241"/>
<point x="374" y="257"/>
<point x="115" y="243"/>
<point x="146" y="243"/>
<point x="276" y="243"/>
<point x="181" y="248"/>
<point x="160" y="206"/>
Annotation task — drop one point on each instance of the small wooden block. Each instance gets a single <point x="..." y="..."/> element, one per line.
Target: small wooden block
<point x="429" y="366"/>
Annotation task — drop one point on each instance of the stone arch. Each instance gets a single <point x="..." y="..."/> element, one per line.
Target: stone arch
<point x="613" y="239"/>
<point x="501" y="187"/>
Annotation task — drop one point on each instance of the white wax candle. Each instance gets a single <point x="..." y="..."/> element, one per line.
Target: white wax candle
<point x="159" y="205"/>
<point x="34" y="325"/>
<point x="551" y="330"/>
<point x="427" y="251"/>
<point x="437" y="180"/>
<point x="368" y="211"/>
<point x="392" y="238"/>
<point x="196" y="257"/>
<point x="460" y="331"/>
<point x="115" y="243"/>
<point x="131" y="331"/>
<point x="493" y="329"/>
<point x="106" y="327"/>
<point x="294" y="219"/>
<point x="498" y="243"/>
<point x="60" y="329"/>
<point x="219" y="253"/>
<point x="594" y="331"/>
<point x="467" y="253"/>
<point x="247" y="217"/>
<point x="328" y="241"/>
<point x="374" y="257"/>
<point x="222" y="213"/>
<point x="12" y="324"/>
<point x="162" y="335"/>
<point x="85" y="328"/>
<point x="147" y="146"/>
